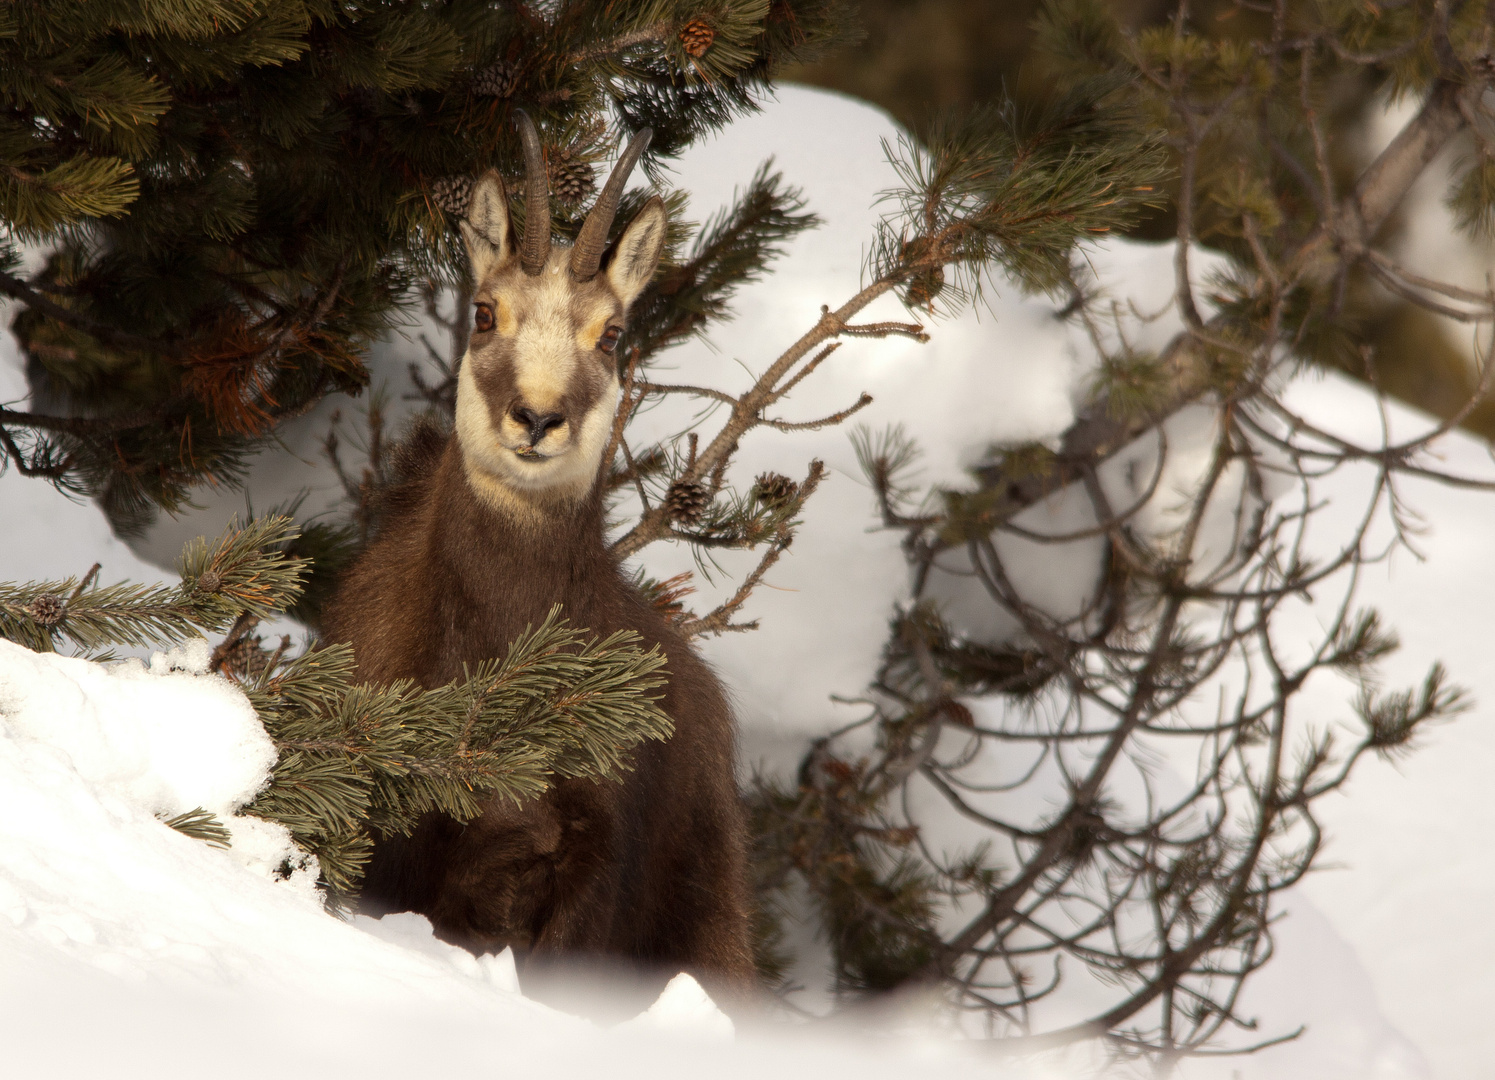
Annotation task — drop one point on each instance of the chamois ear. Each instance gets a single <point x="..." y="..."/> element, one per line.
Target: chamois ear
<point x="637" y="251"/>
<point x="486" y="228"/>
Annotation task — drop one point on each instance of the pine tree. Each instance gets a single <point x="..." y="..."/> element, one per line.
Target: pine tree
<point x="231" y="198"/>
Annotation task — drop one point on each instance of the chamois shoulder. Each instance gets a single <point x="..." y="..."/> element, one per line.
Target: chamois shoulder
<point x="411" y="461"/>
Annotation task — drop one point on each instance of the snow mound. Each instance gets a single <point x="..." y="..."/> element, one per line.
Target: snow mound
<point x="684" y="1009"/>
<point x="413" y="931"/>
<point x="128" y="949"/>
<point x="164" y="739"/>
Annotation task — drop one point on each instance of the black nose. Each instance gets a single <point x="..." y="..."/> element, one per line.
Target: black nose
<point x="538" y="425"/>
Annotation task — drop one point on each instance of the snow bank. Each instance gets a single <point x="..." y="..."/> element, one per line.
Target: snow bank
<point x="684" y="1009"/>
<point x="128" y="949"/>
<point x="165" y="738"/>
<point x="161" y="740"/>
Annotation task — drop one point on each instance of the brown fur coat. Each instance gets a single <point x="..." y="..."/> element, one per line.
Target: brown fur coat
<point x="648" y="872"/>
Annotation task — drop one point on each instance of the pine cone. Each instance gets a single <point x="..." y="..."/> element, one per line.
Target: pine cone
<point x="498" y="80"/>
<point x="956" y="713"/>
<point x="247" y="659"/>
<point x="210" y="582"/>
<point x="571" y="180"/>
<point x="696" y="36"/>
<point x="923" y="288"/>
<point x="452" y="193"/>
<point x="686" y="502"/>
<point x="47" y="610"/>
<point x="775" y="490"/>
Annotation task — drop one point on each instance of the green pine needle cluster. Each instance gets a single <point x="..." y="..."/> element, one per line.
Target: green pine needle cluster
<point x="732" y="249"/>
<point x="245" y="570"/>
<point x="358" y="760"/>
<point x="1007" y="188"/>
<point x="202" y="825"/>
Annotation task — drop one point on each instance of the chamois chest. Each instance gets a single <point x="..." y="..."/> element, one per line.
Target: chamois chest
<point x="647" y="872"/>
<point x="453" y="580"/>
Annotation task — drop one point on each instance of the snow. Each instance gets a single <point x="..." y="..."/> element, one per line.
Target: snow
<point x="1409" y="881"/>
<point x="179" y="958"/>
<point x="411" y="931"/>
<point x="189" y="959"/>
<point x="167" y="738"/>
<point x="683" y="1008"/>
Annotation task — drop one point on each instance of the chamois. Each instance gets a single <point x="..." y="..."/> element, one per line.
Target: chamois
<point x="504" y="520"/>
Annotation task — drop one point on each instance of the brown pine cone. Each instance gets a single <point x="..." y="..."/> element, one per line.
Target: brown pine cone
<point x="923" y="288"/>
<point x="696" y="36"/>
<point x="210" y="582"/>
<point x="686" y="502"/>
<point x="774" y="490"/>
<point x="247" y="659"/>
<point x="571" y="180"/>
<point x="47" y="610"/>
<point x="452" y="193"/>
<point x="498" y="80"/>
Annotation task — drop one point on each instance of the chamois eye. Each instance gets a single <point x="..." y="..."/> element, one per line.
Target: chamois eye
<point x="609" y="339"/>
<point x="482" y="318"/>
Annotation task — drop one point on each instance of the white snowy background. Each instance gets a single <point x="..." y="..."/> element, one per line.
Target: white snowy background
<point x="127" y="948"/>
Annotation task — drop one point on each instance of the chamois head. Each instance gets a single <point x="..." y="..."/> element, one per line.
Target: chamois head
<point x="539" y="384"/>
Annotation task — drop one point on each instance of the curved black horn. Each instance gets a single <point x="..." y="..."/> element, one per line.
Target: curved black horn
<point x="535" y="248"/>
<point x="586" y="256"/>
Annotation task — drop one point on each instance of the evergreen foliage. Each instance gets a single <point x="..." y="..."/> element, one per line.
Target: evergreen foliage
<point x="355" y="759"/>
<point x="733" y="248"/>
<point x="232" y="197"/>
<point x="242" y="572"/>
<point x="201" y="825"/>
<point x="1007" y="189"/>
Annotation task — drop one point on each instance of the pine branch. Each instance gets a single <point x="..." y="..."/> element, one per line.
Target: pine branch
<point x="17" y="289"/>
<point x="1100" y="430"/>
<point x="654" y="34"/>
<point x="719" y="620"/>
<point x="746" y="413"/>
<point x="243" y="571"/>
<point x="357" y="760"/>
<point x="734" y="248"/>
